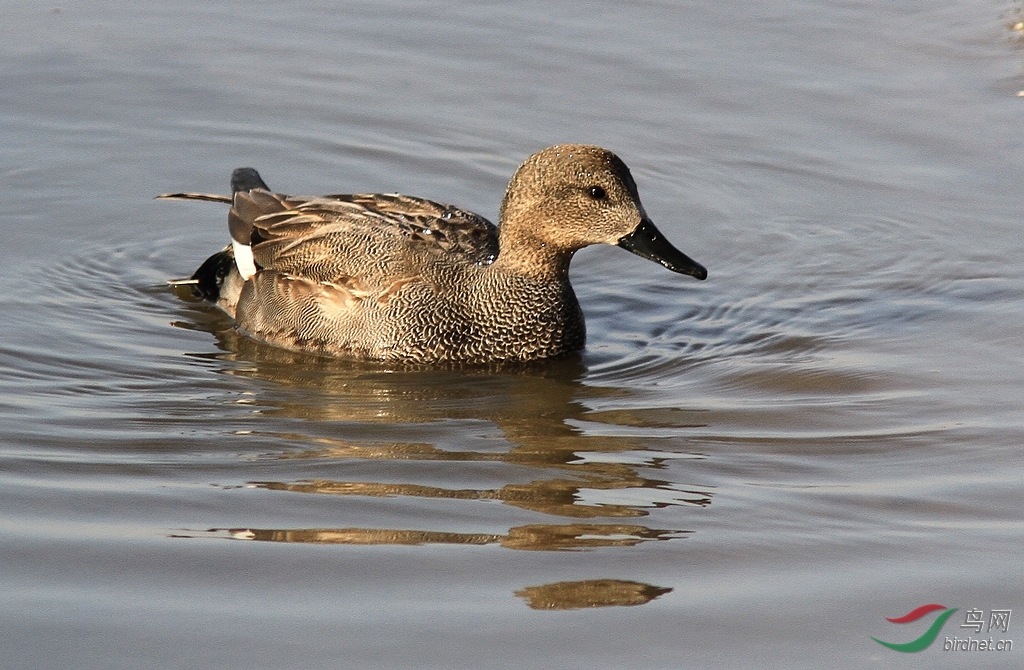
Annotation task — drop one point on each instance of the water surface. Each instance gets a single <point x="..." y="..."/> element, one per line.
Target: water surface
<point x="753" y="470"/>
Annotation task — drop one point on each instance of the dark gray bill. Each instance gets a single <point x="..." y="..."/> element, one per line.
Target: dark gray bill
<point x="648" y="242"/>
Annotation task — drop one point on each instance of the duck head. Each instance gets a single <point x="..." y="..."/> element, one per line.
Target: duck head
<point x="570" y="196"/>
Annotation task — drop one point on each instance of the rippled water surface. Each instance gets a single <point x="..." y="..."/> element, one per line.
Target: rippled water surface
<point x="752" y="471"/>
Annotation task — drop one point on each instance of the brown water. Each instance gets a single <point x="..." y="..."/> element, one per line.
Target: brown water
<point x="753" y="471"/>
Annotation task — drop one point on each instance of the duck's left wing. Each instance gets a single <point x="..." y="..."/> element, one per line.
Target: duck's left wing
<point x="451" y="229"/>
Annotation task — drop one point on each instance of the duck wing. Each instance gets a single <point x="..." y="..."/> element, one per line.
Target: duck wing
<point x="455" y="231"/>
<point x="329" y="237"/>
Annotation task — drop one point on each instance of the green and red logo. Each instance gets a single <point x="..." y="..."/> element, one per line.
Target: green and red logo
<point x="929" y="635"/>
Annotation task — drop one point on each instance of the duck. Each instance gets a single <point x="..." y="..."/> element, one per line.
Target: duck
<point x="394" y="278"/>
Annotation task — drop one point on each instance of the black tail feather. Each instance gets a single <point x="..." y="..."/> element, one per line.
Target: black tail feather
<point x="246" y="179"/>
<point x="211" y="275"/>
<point x="208" y="281"/>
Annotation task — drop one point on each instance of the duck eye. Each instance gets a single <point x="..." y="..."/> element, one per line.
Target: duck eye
<point x="597" y="193"/>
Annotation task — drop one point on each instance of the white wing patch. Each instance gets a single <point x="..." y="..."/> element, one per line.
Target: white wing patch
<point x="243" y="260"/>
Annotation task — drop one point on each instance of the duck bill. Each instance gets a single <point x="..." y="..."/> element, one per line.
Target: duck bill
<point x="648" y="242"/>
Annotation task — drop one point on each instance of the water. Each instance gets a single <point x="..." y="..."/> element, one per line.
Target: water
<point x="753" y="470"/>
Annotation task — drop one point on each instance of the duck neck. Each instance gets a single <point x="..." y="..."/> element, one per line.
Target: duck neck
<point x="528" y="256"/>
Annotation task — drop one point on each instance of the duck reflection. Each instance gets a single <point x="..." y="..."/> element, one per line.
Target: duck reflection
<point x="534" y="537"/>
<point x="559" y="497"/>
<point x="590" y="593"/>
<point x="523" y="416"/>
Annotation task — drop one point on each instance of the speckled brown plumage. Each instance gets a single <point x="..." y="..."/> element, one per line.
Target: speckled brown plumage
<point x="396" y="278"/>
